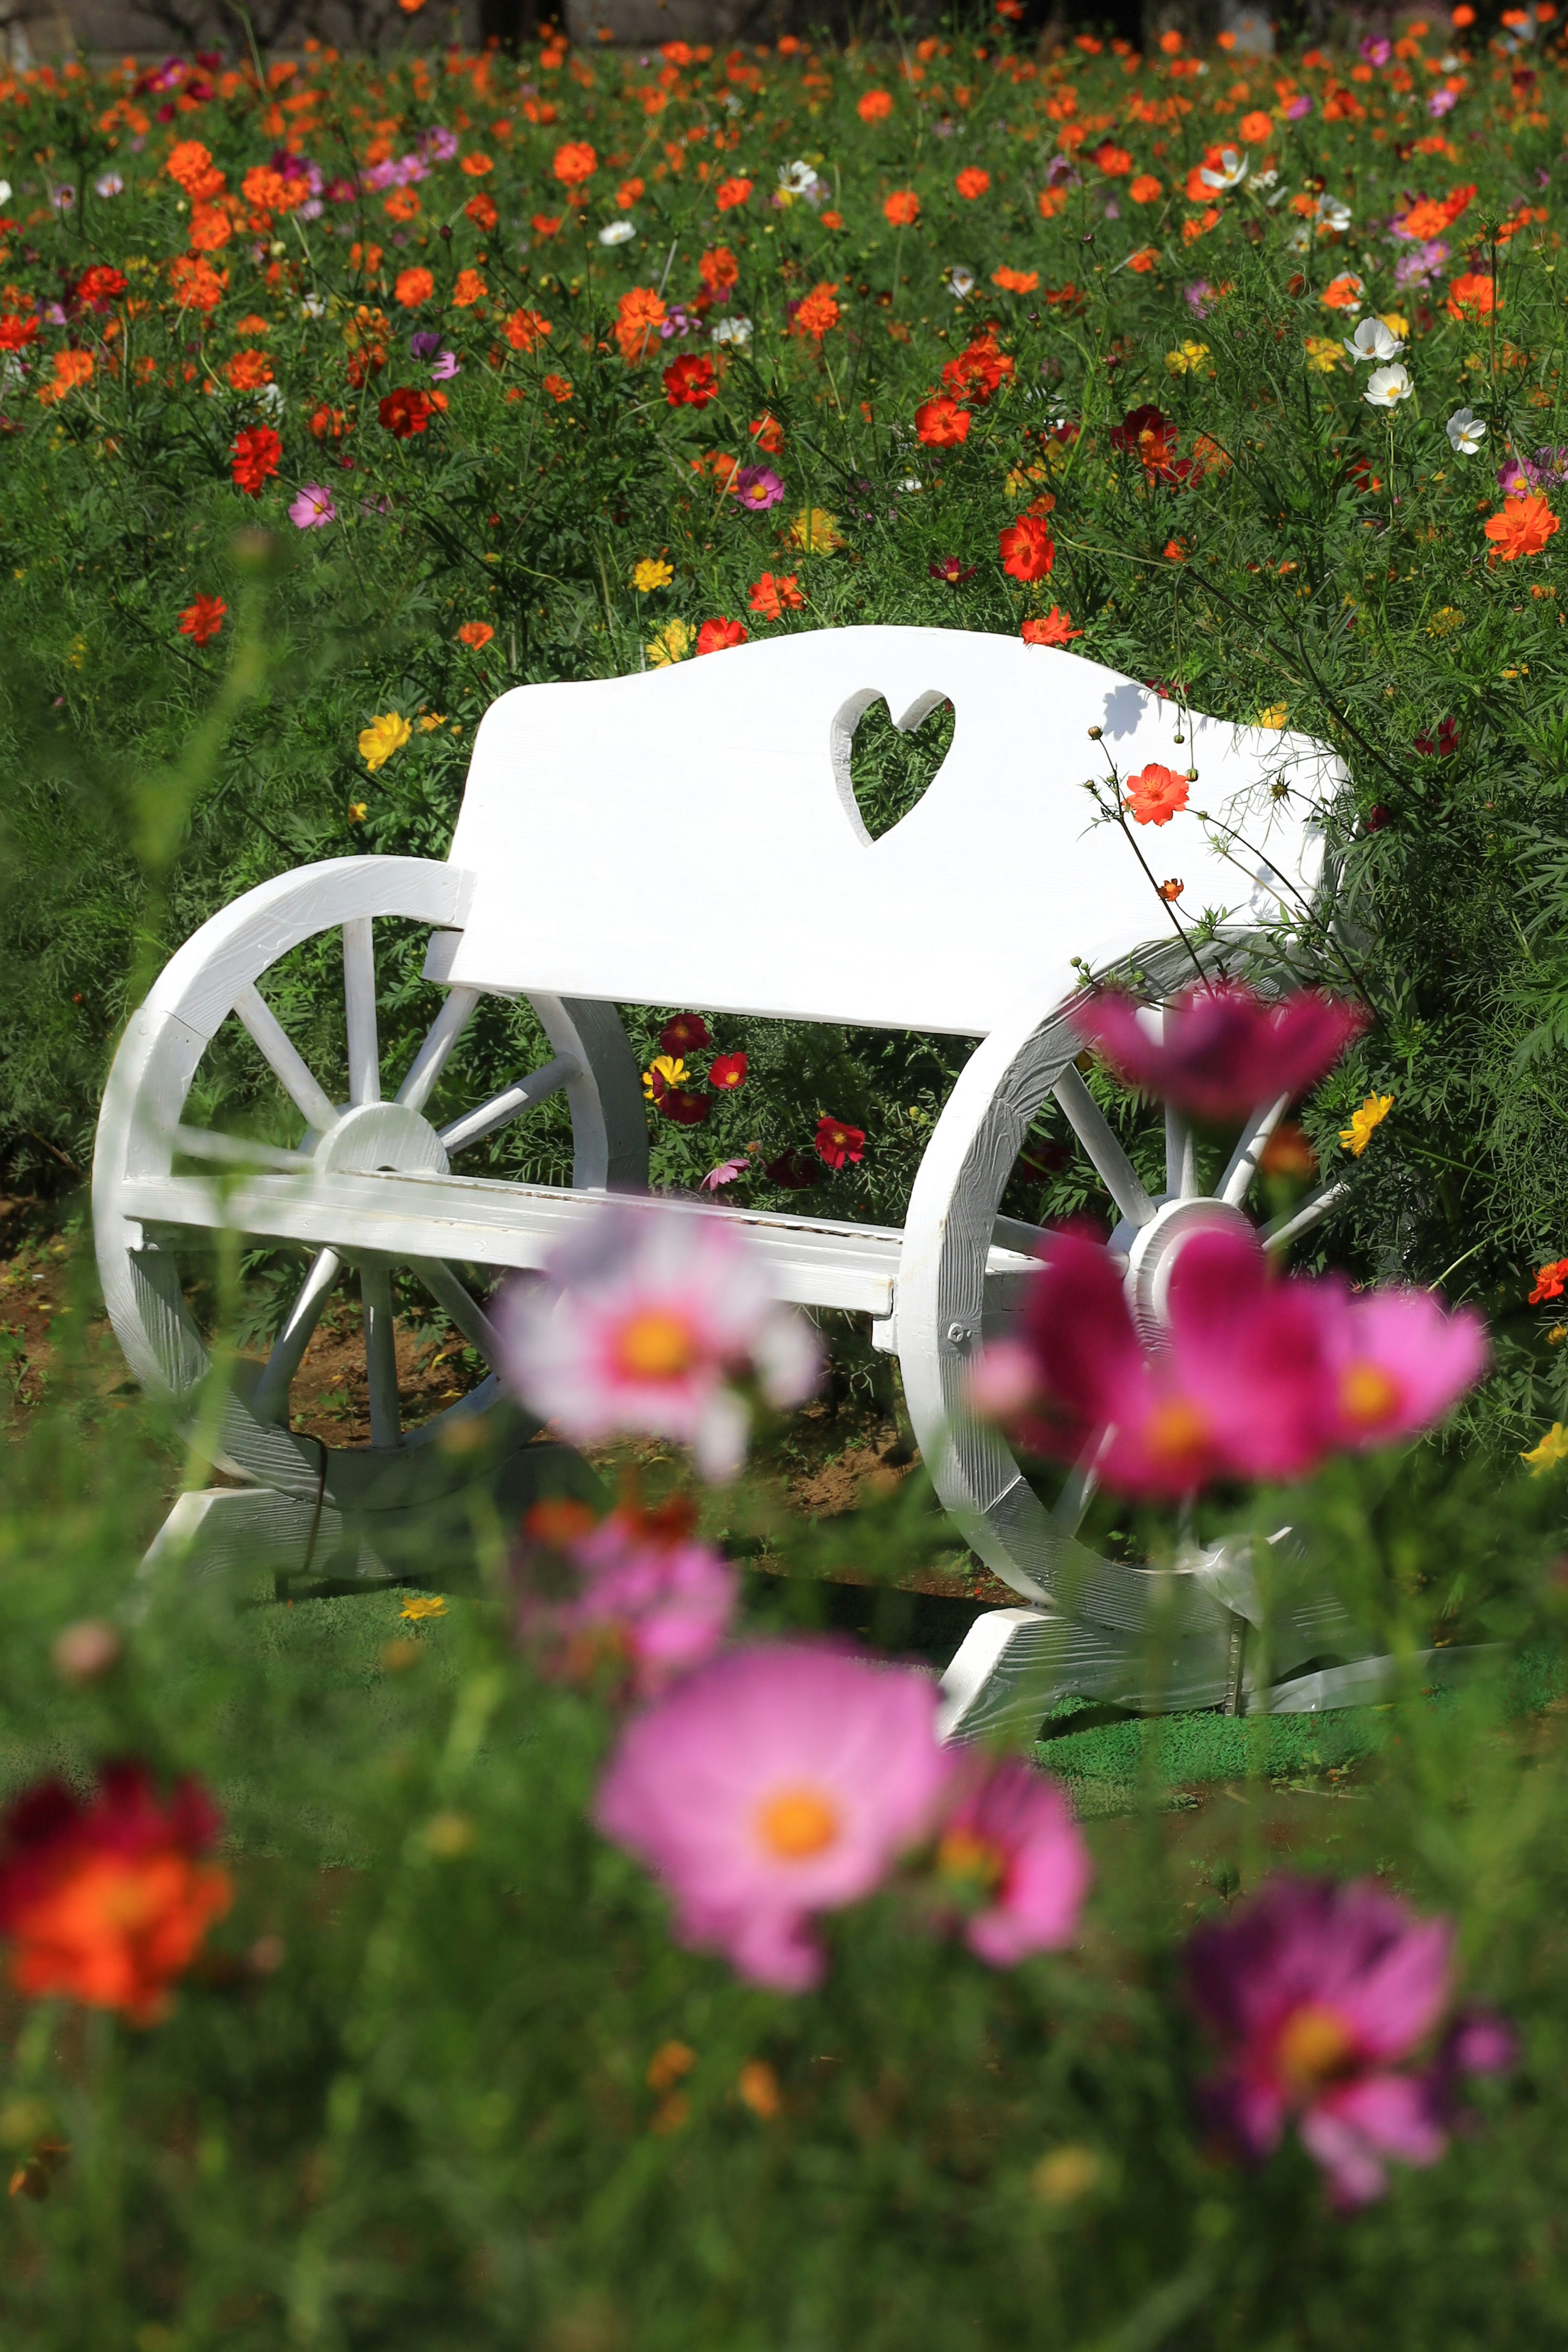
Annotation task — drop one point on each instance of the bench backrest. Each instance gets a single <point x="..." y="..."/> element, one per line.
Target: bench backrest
<point x="690" y="836"/>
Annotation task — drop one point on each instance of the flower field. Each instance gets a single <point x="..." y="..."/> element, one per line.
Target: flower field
<point x="582" y="1946"/>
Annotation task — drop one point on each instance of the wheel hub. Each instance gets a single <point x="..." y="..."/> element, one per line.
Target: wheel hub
<point x="382" y="1138"/>
<point x="1156" y="1247"/>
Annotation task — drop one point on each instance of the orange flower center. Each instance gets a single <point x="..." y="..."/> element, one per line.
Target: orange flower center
<point x="1315" y="2045"/>
<point x="796" y="1823"/>
<point x="1177" y="1428"/>
<point x="1368" y="1394"/>
<point x="975" y="1861"/>
<point x="656" y="1345"/>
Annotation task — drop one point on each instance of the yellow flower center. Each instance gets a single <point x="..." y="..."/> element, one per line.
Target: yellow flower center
<point x="1368" y="1394"/>
<point x="1315" y="2045"/>
<point x="975" y="1861"/>
<point x="656" y="1345"/>
<point x="1177" y="1428"/>
<point x="797" y="1824"/>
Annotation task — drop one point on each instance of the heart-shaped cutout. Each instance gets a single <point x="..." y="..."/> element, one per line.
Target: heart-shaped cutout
<point x="885" y="766"/>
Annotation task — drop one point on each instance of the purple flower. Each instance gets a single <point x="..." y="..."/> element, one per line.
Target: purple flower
<point x="647" y="1598"/>
<point x="1314" y="1991"/>
<point x="1421" y="264"/>
<point x="312" y="508"/>
<point x="378" y="176"/>
<point x="1061" y="173"/>
<point x="1299" y="108"/>
<point x="1200" y="297"/>
<point x="340" y="192"/>
<point x="1516" y="478"/>
<point x="1376" y="52"/>
<point x="424" y="343"/>
<point x="439" y="145"/>
<point x="445" y="368"/>
<point x="757" y="488"/>
<point x="1441" y="102"/>
<point x="678" y="321"/>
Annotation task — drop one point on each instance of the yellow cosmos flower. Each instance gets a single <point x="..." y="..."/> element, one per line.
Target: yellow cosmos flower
<point x="431" y="722"/>
<point x="1551" y="1451"/>
<point x="1187" y="358"/>
<point x="668" y="1066"/>
<point x="1323" y="355"/>
<point x="650" y="573"/>
<point x="420" y="1605"/>
<point x="1448" y="617"/>
<point x="1358" y="1134"/>
<point x="815" y="531"/>
<point x="673" y="644"/>
<point x="382" y="738"/>
<point x="356" y="812"/>
<point x="1275" y="715"/>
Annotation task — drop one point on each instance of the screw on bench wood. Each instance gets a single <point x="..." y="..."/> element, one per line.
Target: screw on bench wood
<point x="957" y="1333"/>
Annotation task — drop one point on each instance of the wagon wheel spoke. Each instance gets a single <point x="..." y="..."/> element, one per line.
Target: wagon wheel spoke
<point x="360" y="999"/>
<point x="431" y="1057"/>
<point x="1079" y="1486"/>
<point x="282" y="1057"/>
<point x="1112" y="1164"/>
<point x="527" y="1094"/>
<point x="234" y="1151"/>
<point x="269" y="1399"/>
<point x="381" y="1355"/>
<point x="460" y="1306"/>
<point x="1242" y="1165"/>
<point x="1296" y="1221"/>
<point x="1181" y="1156"/>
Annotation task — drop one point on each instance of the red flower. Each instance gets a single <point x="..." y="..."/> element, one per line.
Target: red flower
<point x="717" y="636"/>
<point x="1155" y="794"/>
<point x="836" y="1142"/>
<point x="405" y="410"/>
<point x="792" y="1170"/>
<point x="690" y="381"/>
<point x="254" y="458"/>
<point x="107" y="1901"/>
<point x="203" y="619"/>
<point x="686" y="1034"/>
<point x="941" y="424"/>
<point x="1443" y="745"/>
<point x="685" y="1106"/>
<point x="774" y="596"/>
<point x="16" y="332"/>
<point x="1027" y="549"/>
<point x="951" y="570"/>
<point x="1549" y="1282"/>
<point x="727" y="1072"/>
<point x="1151" y="438"/>
<point x="1055" y="630"/>
<point x="979" y="370"/>
<point x="99" y="285"/>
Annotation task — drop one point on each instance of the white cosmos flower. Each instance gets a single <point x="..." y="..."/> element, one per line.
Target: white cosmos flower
<point x="1301" y="237"/>
<point x="616" y="232"/>
<point x="799" y="178"/>
<point x="4" y="192"/>
<point x="960" y="282"/>
<point x="1231" y="173"/>
<point x="733" y="331"/>
<point x="1265" y="179"/>
<point x="313" y="305"/>
<point x="912" y="482"/>
<point x="1373" y="341"/>
<point x="1334" y="213"/>
<point x="1389" y="386"/>
<point x="1466" y="432"/>
<point x="111" y="184"/>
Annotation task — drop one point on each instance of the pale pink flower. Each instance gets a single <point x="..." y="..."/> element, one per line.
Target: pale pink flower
<point x="1225" y="1051"/>
<point x="1315" y="1991"/>
<point x="647" y="1596"/>
<point x="725" y="1173"/>
<point x="771" y="1785"/>
<point x="658" y="1321"/>
<point x="1397" y="1359"/>
<point x="312" y="508"/>
<point x="1012" y="1853"/>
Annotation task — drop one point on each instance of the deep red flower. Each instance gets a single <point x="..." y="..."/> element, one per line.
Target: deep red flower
<point x="1443" y="745"/>
<point x="683" y="1105"/>
<point x="727" y="1072"/>
<point x="1149" y="436"/>
<point x="203" y="619"/>
<point x="255" y="458"/>
<point x="792" y="1170"/>
<point x="690" y="381"/>
<point x="717" y="636"/>
<point x="1224" y="1051"/>
<point x="1027" y="549"/>
<point x="949" y="568"/>
<point x="405" y="410"/>
<point x="837" y="1142"/>
<point x="108" y="1902"/>
<point x="686" y="1034"/>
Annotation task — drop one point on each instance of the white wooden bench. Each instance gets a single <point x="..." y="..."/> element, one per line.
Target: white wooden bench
<point x="974" y="915"/>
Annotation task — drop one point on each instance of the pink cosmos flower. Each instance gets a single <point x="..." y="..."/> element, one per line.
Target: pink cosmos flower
<point x="1224" y="1051"/>
<point x="1012" y="1855"/>
<point x="725" y="1173"/>
<point x="650" y="1320"/>
<point x="770" y="1786"/>
<point x="1395" y="1360"/>
<point x="1314" y="1992"/>
<point x="758" y="488"/>
<point x="647" y="1595"/>
<point x="312" y="508"/>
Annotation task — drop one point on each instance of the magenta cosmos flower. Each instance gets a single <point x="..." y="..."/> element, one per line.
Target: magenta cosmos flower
<point x="758" y="488"/>
<point x="312" y="508"/>
<point x="1012" y="1856"/>
<point x="771" y="1785"/>
<point x="1253" y="1377"/>
<point x="647" y="1596"/>
<point x="1316" y="1992"/>
<point x="1224" y="1051"/>
<point x="657" y="1321"/>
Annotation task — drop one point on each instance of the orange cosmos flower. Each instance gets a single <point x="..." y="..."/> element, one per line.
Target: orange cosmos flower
<point x="108" y="1902"/>
<point x="1342" y="293"/>
<point x="414" y="287"/>
<point x="402" y="204"/>
<point x="405" y="410"/>
<point x="1549" y="1281"/>
<point x="639" y="315"/>
<point x="731" y="193"/>
<point x="1472" y="295"/>
<point x="204" y="619"/>
<point x="253" y="459"/>
<point x="470" y="288"/>
<point x="478" y="166"/>
<point x="627" y="194"/>
<point x="1145" y="189"/>
<point x="767" y="433"/>
<point x="972" y="181"/>
<point x="875" y="105"/>
<point x="1255" y="127"/>
<point x="1027" y="549"/>
<point x="1015" y="281"/>
<point x="71" y="368"/>
<point x="547" y="224"/>
<point x="1155" y="794"/>
<point x="817" y="311"/>
<point x="1114" y="161"/>
<point x="575" y="162"/>
<point x="475" y="635"/>
<point x="777" y="593"/>
<point x="1143" y="260"/>
<point x="1055" y="629"/>
<point x="524" y="329"/>
<point x="717" y="636"/>
<point x="1523" y="528"/>
<point x="941" y="424"/>
<point x="210" y="229"/>
<point x="192" y="167"/>
<point x="901" y="209"/>
<point x="248" y="371"/>
<point x="718" y="269"/>
<point x="197" y="285"/>
<point x="558" y="386"/>
<point x="481" y="211"/>
<point x="269" y="192"/>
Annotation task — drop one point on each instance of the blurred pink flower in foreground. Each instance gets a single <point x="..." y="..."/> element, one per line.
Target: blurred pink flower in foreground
<point x="645" y="1595"/>
<point x="651" y="1320"/>
<point x="770" y="1785"/>
<point x="1254" y="1377"/>
<point x="1315" y="1991"/>
<point x="1012" y="1855"/>
<point x="1225" y="1051"/>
